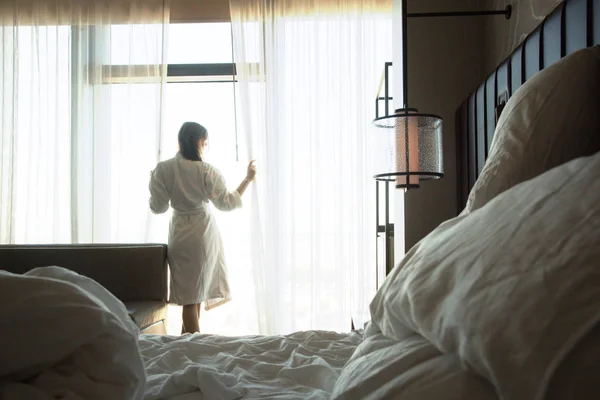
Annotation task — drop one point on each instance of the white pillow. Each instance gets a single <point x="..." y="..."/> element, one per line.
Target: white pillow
<point x="65" y="336"/>
<point x="511" y="287"/>
<point x="408" y="369"/>
<point x="551" y="119"/>
<point x="93" y="289"/>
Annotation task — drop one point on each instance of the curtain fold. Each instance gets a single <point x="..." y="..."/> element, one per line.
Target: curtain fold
<point x="307" y="75"/>
<point x="82" y="86"/>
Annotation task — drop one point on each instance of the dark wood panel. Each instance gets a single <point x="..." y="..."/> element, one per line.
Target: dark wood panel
<point x="490" y="110"/>
<point x="472" y="141"/>
<point x="573" y="25"/>
<point x="481" y="128"/>
<point x="594" y="22"/>
<point x="462" y="152"/>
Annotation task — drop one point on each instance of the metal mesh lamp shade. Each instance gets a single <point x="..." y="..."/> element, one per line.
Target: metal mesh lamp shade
<point x="410" y="148"/>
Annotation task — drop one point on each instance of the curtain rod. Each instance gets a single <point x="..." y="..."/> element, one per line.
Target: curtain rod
<point x="507" y="12"/>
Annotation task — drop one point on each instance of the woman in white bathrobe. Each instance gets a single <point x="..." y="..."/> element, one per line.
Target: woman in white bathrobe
<point x="195" y="251"/>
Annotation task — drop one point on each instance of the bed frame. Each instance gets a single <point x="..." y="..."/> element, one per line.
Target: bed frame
<point x="573" y="25"/>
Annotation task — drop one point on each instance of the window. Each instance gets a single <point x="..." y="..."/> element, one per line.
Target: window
<point x="199" y="87"/>
<point x="206" y="43"/>
<point x="91" y="115"/>
<point x="200" y="77"/>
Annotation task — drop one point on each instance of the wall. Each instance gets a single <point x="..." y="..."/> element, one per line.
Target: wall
<point x="445" y="64"/>
<point x="502" y="37"/>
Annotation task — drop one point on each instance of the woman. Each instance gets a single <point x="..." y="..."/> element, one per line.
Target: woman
<point x="195" y="253"/>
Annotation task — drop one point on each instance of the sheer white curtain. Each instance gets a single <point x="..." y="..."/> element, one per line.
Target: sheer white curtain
<point x="81" y="115"/>
<point x="308" y="73"/>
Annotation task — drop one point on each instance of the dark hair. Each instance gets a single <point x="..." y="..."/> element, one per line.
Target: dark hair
<point x="190" y="134"/>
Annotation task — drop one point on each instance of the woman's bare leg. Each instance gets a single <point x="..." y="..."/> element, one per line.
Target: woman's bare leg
<point x="189" y="314"/>
<point x="199" y="306"/>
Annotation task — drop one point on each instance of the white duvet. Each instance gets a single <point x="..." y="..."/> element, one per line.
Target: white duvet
<point x="65" y="337"/>
<point x="303" y="365"/>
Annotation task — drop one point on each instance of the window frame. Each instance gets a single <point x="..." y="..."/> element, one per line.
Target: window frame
<point x="137" y="74"/>
<point x="176" y="72"/>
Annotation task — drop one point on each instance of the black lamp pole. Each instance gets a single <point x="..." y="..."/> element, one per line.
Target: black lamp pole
<point x="405" y="53"/>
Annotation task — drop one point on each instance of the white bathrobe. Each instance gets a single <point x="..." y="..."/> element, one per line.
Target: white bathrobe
<point x="195" y="252"/>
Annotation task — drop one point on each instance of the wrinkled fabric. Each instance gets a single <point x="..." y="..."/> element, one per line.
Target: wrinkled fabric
<point x="409" y="369"/>
<point x="196" y="256"/>
<point x="65" y="336"/>
<point x="510" y="288"/>
<point x="303" y="365"/>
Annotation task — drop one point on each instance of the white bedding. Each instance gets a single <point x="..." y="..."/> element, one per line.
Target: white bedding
<point x="407" y="368"/>
<point x="303" y="365"/>
<point x="65" y="337"/>
<point x="510" y="289"/>
<point x="84" y="346"/>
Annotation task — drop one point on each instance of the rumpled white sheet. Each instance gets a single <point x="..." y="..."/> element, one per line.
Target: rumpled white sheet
<point x="65" y="337"/>
<point x="409" y="369"/>
<point x="303" y="365"/>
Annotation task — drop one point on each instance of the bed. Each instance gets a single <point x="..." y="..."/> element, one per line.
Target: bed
<point x="500" y="302"/>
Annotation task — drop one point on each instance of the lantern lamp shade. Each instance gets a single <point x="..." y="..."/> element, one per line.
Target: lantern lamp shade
<point x="409" y="148"/>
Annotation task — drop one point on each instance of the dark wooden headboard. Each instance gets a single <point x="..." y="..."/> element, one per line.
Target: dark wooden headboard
<point x="573" y="25"/>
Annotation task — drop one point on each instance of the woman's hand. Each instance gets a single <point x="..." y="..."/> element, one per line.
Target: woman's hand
<point x="251" y="173"/>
